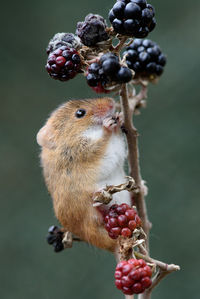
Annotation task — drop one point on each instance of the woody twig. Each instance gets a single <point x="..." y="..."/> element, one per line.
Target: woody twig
<point x="129" y="105"/>
<point x="104" y="196"/>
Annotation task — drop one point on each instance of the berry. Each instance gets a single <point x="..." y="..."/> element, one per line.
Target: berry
<point x="107" y="71"/>
<point x="107" y="56"/>
<point x="118" y="26"/>
<point x="145" y="58"/>
<point x="118" y="9"/>
<point x="133" y="276"/>
<point x="92" y="80"/>
<point x="92" y="30"/>
<point x="132" y="11"/>
<point x="63" y="39"/>
<point x="58" y="246"/>
<point x="100" y="89"/>
<point x="124" y="75"/>
<point x="134" y="18"/>
<point x="126" y="232"/>
<point x="121" y="220"/>
<point x="110" y="66"/>
<point x="63" y="63"/>
<point x="55" y="237"/>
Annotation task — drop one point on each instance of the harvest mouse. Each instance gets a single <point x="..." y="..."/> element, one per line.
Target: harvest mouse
<point x="83" y="150"/>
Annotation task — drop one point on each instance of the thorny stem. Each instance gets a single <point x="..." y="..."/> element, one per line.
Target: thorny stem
<point x="128" y="108"/>
<point x="135" y="100"/>
<point x="133" y="157"/>
<point x="164" y="270"/>
<point x="163" y="266"/>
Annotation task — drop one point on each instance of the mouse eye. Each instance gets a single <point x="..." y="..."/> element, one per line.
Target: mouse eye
<point x="80" y="113"/>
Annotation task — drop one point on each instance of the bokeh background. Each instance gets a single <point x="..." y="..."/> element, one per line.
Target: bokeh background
<point x="169" y="145"/>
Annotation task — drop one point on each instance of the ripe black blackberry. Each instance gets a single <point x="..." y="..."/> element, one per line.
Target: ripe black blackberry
<point x="63" y="64"/>
<point x="132" y="18"/>
<point x="64" y="39"/>
<point x="106" y="71"/>
<point x="145" y="58"/>
<point x="92" y="30"/>
<point x="55" y="237"/>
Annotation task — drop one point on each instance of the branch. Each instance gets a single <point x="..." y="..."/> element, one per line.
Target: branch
<point x="163" y="266"/>
<point x="133" y="157"/>
<point x="138" y="101"/>
<point x="120" y="45"/>
<point x="68" y="239"/>
<point x="104" y="196"/>
<point x="164" y="270"/>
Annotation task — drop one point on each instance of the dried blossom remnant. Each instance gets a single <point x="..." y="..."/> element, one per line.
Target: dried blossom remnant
<point x="104" y="196"/>
<point x="92" y="30"/>
<point x="64" y="39"/>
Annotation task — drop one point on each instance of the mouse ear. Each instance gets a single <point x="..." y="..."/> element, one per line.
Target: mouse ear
<point x="45" y="137"/>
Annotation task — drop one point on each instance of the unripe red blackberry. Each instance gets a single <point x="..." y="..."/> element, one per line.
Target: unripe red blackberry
<point x="63" y="64"/>
<point x="107" y="71"/>
<point x="145" y="58"/>
<point x="133" y="18"/>
<point x="121" y="220"/>
<point x="64" y="39"/>
<point x="92" y="30"/>
<point x="133" y="276"/>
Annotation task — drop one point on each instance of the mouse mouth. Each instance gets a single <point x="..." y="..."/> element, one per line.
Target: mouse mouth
<point x="100" y="118"/>
<point x="104" y="111"/>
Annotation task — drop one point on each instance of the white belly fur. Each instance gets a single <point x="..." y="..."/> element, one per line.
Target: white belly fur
<point x="111" y="168"/>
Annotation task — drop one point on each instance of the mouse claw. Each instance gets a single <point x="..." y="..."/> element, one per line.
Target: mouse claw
<point x="110" y="123"/>
<point x="119" y="118"/>
<point x="114" y="122"/>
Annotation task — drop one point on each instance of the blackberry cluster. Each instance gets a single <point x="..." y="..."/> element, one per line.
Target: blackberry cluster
<point x="54" y="237"/>
<point x="132" y="18"/>
<point x="92" y="30"/>
<point x="63" y="64"/>
<point x="145" y="58"/>
<point x="63" y="39"/>
<point x="107" y="70"/>
<point x="133" y="276"/>
<point x="121" y="220"/>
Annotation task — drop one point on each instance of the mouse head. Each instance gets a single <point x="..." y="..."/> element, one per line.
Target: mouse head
<point x="67" y="123"/>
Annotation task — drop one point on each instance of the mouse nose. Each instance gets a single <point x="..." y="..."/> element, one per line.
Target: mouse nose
<point x="104" y="106"/>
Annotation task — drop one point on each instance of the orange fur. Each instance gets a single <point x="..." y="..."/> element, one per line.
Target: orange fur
<point x="70" y="164"/>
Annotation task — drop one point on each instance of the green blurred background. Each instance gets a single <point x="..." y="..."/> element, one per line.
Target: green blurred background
<point x="169" y="145"/>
